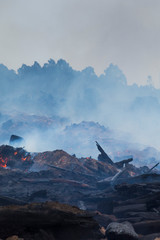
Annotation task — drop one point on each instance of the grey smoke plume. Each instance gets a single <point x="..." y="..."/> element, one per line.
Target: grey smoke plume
<point x="32" y="97"/>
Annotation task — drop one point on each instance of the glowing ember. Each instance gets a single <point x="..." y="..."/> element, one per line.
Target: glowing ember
<point x="3" y="162"/>
<point x="23" y="159"/>
<point x="15" y="153"/>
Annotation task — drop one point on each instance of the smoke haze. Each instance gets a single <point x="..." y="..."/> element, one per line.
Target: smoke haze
<point x="39" y="102"/>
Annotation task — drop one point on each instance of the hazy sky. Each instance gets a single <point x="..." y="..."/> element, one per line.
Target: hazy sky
<point x="83" y="32"/>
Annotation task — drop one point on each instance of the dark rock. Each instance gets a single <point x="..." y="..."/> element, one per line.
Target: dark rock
<point x="147" y="227"/>
<point x="155" y="236"/>
<point x="144" y="215"/>
<point x="130" y="219"/>
<point x="38" y="194"/>
<point x="121" y="210"/>
<point x="48" y="221"/>
<point x="104" y="219"/>
<point x="121" y="231"/>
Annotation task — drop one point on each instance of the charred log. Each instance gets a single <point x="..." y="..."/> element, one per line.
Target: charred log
<point x="16" y="141"/>
<point x="123" y="162"/>
<point x="150" y="170"/>
<point x="103" y="157"/>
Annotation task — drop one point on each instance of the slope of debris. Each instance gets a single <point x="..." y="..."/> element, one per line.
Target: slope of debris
<point x="61" y="159"/>
<point x="113" y="192"/>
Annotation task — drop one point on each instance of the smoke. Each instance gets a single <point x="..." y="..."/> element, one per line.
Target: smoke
<point x="39" y="102"/>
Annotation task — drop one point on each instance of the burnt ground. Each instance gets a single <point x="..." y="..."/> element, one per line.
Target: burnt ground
<point x="36" y="198"/>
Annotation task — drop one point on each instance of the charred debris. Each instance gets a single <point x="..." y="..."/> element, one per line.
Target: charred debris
<point x="60" y="174"/>
<point x="102" y="192"/>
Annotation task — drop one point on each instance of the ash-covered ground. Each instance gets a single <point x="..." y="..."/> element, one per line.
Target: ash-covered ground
<point x="52" y="194"/>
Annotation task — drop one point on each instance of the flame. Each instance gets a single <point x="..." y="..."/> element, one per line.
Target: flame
<point x="15" y="153"/>
<point x="3" y="162"/>
<point x="23" y="159"/>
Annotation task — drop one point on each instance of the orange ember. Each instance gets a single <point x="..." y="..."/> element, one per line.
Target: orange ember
<point x="3" y="162"/>
<point x="23" y="159"/>
<point x="15" y="153"/>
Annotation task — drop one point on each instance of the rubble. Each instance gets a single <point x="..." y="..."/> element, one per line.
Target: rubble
<point x="121" y="231"/>
<point x="15" y="157"/>
<point x="108" y="191"/>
